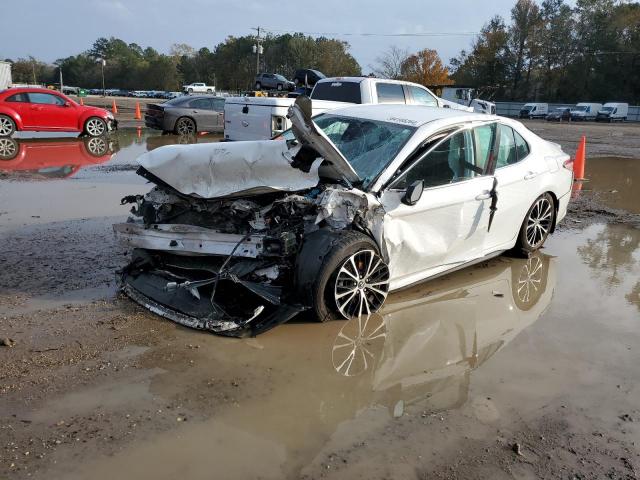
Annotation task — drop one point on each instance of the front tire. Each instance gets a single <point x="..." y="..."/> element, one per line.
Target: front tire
<point x="258" y="86"/>
<point x="353" y="279"/>
<point x="7" y="126"/>
<point x="94" y="127"/>
<point x="537" y="224"/>
<point x="185" y="126"/>
<point x="279" y="87"/>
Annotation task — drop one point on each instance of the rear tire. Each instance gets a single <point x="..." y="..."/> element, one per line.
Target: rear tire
<point x="95" y="127"/>
<point x="190" y="91"/>
<point x="8" y="148"/>
<point x="537" y="224"/>
<point x="336" y="293"/>
<point x="258" y="86"/>
<point x="185" y="126"/>
<point x="7" y="126"/>
<point x="279" y="87"/>
<point x="209" y="90"/>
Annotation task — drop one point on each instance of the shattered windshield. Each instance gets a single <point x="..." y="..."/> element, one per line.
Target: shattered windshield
<point x="368" y="145"/>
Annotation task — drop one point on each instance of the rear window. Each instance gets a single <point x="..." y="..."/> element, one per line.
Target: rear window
<point x="177" y="101"/>
<point x="390" y="93"/>
<point x="18" y="97"/>
<point x="337" y="92"/>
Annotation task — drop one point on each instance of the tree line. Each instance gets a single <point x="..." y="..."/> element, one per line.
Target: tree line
<point x="231" y="65"/>
<point x="553" y="52"/>
<point x="547" y="51"/>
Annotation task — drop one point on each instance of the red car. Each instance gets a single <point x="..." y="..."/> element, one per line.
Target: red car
<point x="53" y="157"/>
<point x="38" y="109"/>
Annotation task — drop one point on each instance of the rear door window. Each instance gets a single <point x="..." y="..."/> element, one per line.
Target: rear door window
<point x="484" y="139"/>
<point x="201" y="103"/>
<point x="337" y="92"/>
<point x="422" y="97"/>
<point x="390" y="93"/>
<point x="218" y="104"/>
<point x="18" y="98"/>
<point x="507" y="151"/>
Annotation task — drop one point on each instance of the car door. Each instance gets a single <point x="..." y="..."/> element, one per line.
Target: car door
<point x="218" y="108"/>
<point x="518" y="175"/>
<point x="203" y="113"/>
<point x="50" y="112"/>
<point x="447" y="226"/>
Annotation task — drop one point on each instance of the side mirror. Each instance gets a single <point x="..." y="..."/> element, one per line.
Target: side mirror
<point x="67" y="103"/>
<point x="413" y="193"/>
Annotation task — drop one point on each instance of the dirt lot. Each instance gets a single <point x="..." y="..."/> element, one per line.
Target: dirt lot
<point x="470" y="379"/>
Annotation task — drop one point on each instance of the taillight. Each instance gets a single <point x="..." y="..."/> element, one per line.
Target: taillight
<point x="568" y="164"/>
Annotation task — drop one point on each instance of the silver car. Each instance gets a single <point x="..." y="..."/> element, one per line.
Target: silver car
<point x="187" y="115"/>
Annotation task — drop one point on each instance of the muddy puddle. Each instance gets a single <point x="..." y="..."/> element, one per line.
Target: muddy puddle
<point x="616" y="180"/>
<point x="76" y="177"/>
<point x="452" y="374"/>
<point x="457" y="358"/>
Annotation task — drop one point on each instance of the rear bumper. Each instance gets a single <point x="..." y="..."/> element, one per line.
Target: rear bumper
<point x="154" y="122"/>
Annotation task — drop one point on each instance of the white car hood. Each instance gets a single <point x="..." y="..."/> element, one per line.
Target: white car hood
<point x="212" y="170"/>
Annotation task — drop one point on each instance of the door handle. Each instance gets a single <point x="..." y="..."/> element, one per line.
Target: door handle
<point x="486" y="195"/>
<point x="531" y="175"/>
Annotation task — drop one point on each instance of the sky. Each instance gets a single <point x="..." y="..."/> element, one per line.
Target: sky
<point x="52" y="29"/>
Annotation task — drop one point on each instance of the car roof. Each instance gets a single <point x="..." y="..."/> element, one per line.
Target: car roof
<point x="414" y="115"/>
<point x="29" y="90"/>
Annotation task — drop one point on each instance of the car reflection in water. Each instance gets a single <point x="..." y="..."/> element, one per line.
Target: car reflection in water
<point x="156" y="141"/>
<point x="425" y="343"/>
<point x="53" y="157"/>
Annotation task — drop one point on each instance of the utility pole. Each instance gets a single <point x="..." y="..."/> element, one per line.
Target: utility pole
<point x="257" y="49"/>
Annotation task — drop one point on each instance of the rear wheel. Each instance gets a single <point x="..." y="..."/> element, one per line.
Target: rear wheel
<point x="279" y="87"/>
<point x="190" y="90"/>
<point x="537" y="224"/>
<point x="185" y="126"/>
<point x="208" y="90"/>
<point x="8" y="148"/>
<point x="258" y="85"/>
<point x="94" y="127"/>
<point x="7" y="126"/>
<point x="353" y="279"/>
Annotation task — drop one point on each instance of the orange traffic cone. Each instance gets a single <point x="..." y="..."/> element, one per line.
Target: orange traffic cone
<point x="579" y="162"/>
<point x="81" y="101"/>
<point x="138" y="115"/>
<point x="114" y="108"/>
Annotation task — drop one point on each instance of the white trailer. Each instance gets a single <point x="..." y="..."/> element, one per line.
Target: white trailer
<point x="468" y="97"/>
<point x="5" y="75"/>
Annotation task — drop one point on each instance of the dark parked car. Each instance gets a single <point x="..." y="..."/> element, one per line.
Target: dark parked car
<point x="187" y="115"/>
<point x="562" y="114"/>
<point x="273" y="81"/>
<point x="306" y="76"/>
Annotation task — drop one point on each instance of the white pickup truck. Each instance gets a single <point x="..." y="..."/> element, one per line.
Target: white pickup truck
<point x="198" y="87"/>
<point x="260" y="118"/>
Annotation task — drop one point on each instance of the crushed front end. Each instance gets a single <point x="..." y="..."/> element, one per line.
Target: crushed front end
<point x="224" y="265"/>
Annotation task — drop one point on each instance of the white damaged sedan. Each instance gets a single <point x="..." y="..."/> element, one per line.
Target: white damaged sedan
<point x="236" y="238"/>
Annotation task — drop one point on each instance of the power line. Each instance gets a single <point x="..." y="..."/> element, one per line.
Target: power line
<point x="372" y="34"/>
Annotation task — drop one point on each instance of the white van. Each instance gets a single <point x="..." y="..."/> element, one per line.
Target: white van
<point x="534" y="110"/>
<point x="585" y="111"/>
<point x="613" y="112"/>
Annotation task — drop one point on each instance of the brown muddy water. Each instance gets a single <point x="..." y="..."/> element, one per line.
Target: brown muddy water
<point x="515" y="368"/>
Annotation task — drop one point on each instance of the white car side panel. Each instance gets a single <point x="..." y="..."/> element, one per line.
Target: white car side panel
<point x="444" y="229"/>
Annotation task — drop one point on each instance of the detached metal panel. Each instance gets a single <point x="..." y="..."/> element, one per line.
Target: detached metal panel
<point x="5" y="75"/>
